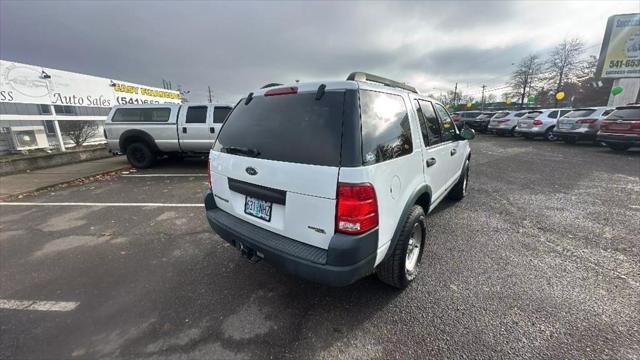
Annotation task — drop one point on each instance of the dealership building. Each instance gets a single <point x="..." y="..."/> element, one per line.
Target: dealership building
<point x="35" y="100"/>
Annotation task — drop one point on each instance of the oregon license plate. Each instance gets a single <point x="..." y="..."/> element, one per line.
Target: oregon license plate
<point x="258" y="208"/>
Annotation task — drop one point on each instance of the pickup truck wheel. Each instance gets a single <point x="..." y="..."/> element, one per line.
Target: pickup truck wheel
<point x="401" y="266"/>
<point x="140" y="156"/>
<point x="459" y="190"/>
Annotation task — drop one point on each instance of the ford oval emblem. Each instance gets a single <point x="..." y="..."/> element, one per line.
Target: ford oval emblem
<point x="251" y="171"/>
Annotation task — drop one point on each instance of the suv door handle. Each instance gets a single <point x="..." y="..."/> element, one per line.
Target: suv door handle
<point x="453" y="152"/>
<point x="431" y="162"/>
<point x="212" y="130"/>
<point x="184" y="129"/>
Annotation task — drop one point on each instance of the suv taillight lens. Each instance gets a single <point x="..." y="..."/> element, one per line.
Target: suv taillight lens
<point x="503" y="120"/>
<point x="209" y="174"/>
<point x="356" y="208"/>
<point x="586" y="121"/>
<point x="537" y="122"/>
<point x="282" y="91"/>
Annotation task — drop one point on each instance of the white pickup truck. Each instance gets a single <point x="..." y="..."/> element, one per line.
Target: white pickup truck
<point x="143" y="132"/>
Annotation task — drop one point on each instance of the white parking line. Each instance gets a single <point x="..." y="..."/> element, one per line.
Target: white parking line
<point x="38" y="305"/>
<point x="163" y="175"/>
<point x="95" y="204"/>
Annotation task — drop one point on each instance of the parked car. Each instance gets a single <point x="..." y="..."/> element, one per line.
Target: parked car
<point x="464" y="117"/>
<point x="540" y="125"/>
<point x="505" y="122"/>
<point x="621" y="129"/>
<point x="481" y="123"/>
<point x="332" y="181"/>
<point x="581" y="124"/>
<point x="144" y="132"/>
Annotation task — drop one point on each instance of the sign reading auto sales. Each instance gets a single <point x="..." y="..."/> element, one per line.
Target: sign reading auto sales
<point x="22" y="83"/>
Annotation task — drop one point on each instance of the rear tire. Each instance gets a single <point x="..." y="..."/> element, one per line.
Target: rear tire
<point x="459" y="190"/>
<point x="140" y="156"/>
<point x="400" y="268"/>
<point x="618" y="147"/>
<point x="548" y="135"/>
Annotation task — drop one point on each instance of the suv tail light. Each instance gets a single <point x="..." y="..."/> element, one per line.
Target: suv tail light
<point x="503" y="120"/>
<point x="209" y="174"/>
<point x="356" y="208"/>
<point x="537" y="122"/>
<point x="282" y="91"/>
<point x="586" y="121"/>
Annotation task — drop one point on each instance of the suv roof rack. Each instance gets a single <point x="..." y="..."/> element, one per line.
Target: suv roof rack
<point x="363" y="76"/>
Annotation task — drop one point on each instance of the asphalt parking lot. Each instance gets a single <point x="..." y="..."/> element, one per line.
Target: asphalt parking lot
<point x="541" y="260"/>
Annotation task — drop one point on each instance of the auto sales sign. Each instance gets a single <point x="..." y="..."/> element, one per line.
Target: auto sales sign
<point x="22" y="83"/>
<point x="620" y="53"/>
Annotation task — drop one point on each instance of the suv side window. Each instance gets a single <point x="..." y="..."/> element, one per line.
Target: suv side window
<point x="423" y="124"/>
<point x="433" y="125"/>
<point x="564" y="112"/>
<point x="386" y="133"/>
<point x="196" y="115"/>
<point x="448" y="128"/>
<point x="220" y="113"/>
<point x="553" y="115"/>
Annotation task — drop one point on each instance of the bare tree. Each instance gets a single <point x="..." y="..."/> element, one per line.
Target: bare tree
<point x="523" y="77"/>
<point x="564" y="63"/>
<point x="79" y="131"/>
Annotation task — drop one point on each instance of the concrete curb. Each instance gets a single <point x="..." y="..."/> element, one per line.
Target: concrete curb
<point x="10" y="166"/>
<point x="48" y="186"/>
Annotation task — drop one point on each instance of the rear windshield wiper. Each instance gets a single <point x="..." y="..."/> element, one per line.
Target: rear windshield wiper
<point x="241" y="151"/>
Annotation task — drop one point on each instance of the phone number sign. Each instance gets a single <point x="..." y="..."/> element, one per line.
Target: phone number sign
<point x="620" y="54"/>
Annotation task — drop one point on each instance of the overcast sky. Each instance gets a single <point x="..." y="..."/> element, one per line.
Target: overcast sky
<point x="237" y="47"/>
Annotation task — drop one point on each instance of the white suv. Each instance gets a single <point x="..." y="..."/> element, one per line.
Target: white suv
<point x="331" y="181"/>
<point x="540" y="123"/>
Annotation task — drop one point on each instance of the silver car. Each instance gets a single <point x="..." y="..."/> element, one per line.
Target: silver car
<point x="540" y="125"/>
<point x="504" y="122"/>
<point x="581" y="124"/>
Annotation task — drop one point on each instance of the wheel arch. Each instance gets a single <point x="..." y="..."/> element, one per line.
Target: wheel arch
<point x="135" y="135"/>
<point x="422" y="197"/>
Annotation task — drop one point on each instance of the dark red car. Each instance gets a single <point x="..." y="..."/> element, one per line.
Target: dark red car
<point x="621" y="129"/>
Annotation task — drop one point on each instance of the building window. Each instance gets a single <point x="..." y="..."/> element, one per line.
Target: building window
<point x="49" y="127"/>
<point x="45" y="109"/>
<point x="64" y="110"/>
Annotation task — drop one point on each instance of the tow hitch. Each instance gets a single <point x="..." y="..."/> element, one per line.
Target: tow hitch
<point x="250" y="254"/>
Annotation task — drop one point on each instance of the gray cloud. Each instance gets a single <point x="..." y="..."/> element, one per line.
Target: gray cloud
<point x="236" y="47"/>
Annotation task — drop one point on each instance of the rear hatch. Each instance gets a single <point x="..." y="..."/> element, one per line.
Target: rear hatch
<point x="623" y="120"/>
<point x="527" y="121"/>
<point x="574" y="119"/>
<point x="276" y="161"/>
<point x="498" y="116"/>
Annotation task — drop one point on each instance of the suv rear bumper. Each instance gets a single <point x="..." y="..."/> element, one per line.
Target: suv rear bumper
<point x="619" y="138"/>
<point x="347" y="259"/>
<point x="578" y="134"/>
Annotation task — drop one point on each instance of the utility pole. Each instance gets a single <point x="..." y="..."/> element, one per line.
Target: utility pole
<point x="210" y="97"/>
<point x="455" y="95"/>
<point x="482" y="104"/>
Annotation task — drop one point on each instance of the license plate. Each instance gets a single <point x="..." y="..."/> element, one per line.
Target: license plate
<point x="565" y="126"/>
<point x="619" y="127"/>
<point x="257" y="208"/>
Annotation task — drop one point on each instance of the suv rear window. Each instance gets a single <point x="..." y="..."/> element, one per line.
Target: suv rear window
<point x="580" y="113"/>
<point x="500" y="115"/>
<point x="386" y="133"/>
<point x="290" y="128"/>
<point x="629" y="114"/>
<point x="142" y="115"/>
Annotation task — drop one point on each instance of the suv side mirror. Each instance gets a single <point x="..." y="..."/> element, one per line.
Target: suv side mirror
<point x="467" y="134"/>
